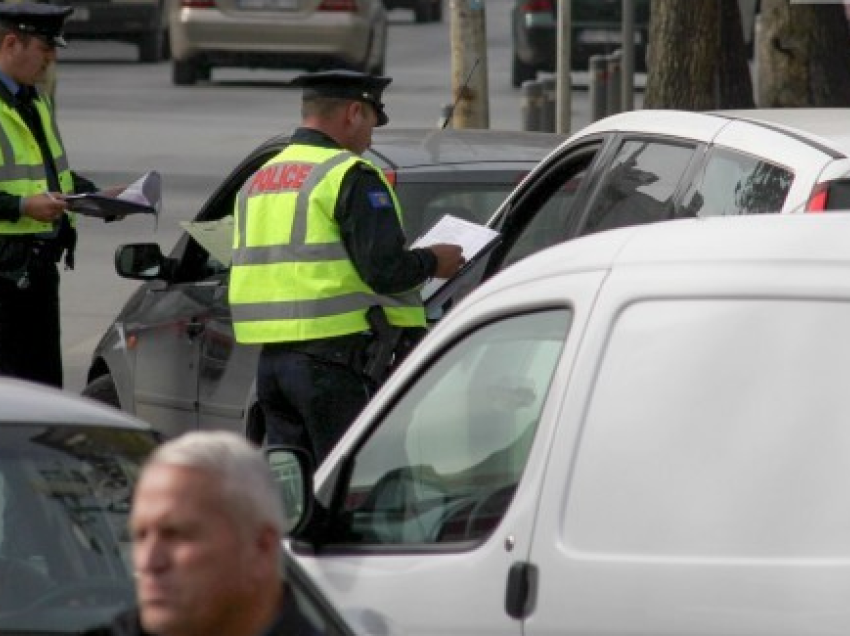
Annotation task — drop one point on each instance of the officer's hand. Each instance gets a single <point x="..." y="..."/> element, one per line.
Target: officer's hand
<point x="449" y="259"/>
<point x="47" y="207"/>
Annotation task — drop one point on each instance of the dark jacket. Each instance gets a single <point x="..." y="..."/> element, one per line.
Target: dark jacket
<point x="291" y="621"/>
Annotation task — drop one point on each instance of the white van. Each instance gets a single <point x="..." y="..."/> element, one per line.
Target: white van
<point x="645" y="431"/>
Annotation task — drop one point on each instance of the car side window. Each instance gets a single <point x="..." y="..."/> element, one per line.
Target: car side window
<point x="546" y="214"/>
<point x="735" y="183"/>
<point x="423" y="204"/>
<point x="443" y="465"/>
<point x="639" y="185"/>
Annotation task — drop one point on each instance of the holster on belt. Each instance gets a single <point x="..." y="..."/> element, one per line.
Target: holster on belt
<point x="381" y="353"/>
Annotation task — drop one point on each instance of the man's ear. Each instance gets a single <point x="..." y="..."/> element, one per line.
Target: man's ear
<point x="352" y="111"/>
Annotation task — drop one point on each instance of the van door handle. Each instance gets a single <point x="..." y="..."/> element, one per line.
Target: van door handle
<point x="521" y="595"/>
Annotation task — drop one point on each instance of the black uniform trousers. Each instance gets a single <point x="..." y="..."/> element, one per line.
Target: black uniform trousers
<point x="30" y="338"/>
<point x="310" y="393"/>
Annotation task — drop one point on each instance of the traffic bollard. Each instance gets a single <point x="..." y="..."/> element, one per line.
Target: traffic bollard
<point x="598" y="84"/>
<point x="531" y="105"/>
<point x="614" y="78"/>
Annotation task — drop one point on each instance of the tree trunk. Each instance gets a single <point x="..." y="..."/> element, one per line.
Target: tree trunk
<point x="697" y="59"/>
<point x="684" y="42"/>
<point x="803" y="51"/>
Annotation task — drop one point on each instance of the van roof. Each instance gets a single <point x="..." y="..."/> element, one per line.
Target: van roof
<point x="785" y="238"/>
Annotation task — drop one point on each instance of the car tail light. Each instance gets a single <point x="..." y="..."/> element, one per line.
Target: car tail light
<point x="338" y="5"/>
<point x="536" y="6"/>
<point x="390" y="177"/>
<point x="197" y="4"/>
<point x="818" y="199"/>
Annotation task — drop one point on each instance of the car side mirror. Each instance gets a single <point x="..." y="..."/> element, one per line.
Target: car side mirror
<point x="141" y="261"/>
<point x="293" y="473"/>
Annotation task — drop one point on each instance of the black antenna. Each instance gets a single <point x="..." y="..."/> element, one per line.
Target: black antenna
<point x="459" y="94"/>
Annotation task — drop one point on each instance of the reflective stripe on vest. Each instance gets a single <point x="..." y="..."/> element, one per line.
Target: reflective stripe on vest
<point x="291" y="277"/>
<point x="22" y="170"/>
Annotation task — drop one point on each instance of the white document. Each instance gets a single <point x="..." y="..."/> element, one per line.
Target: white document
<point x="472" y="237"/>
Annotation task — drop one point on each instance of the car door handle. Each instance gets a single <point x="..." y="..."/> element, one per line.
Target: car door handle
<point x="194" y="329"/>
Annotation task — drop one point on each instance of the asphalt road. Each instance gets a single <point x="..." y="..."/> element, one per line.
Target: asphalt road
<point x="120" y="119"/>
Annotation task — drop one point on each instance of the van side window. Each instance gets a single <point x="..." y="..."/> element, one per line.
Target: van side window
<point x="639" y="186"/>
<point x="734" y="183"/>
<point x="444" y="465"/>
<point x="719" y="439"/>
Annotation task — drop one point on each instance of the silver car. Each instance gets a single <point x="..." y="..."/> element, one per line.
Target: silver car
<point x="298" y="34"/>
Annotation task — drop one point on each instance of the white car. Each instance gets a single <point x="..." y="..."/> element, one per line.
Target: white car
<point x="653" y="165"/>
<point x="640" y="432"/>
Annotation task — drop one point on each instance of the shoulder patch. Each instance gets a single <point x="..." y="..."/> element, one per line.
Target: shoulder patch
<point x="380" y="199"/>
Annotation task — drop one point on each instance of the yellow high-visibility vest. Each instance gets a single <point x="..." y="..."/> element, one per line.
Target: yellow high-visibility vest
<point x="21" y="166"/>
<point x="291" y="277"/>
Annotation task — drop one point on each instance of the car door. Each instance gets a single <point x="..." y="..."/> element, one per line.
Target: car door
<point x="441" y="489"/>
<point x="190" y="372"/>
<point x="537" y="214"/>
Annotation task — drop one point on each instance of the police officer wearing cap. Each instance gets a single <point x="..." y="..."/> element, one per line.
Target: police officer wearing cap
<point x="35" y="229"/>
<point x="318" y="241"/>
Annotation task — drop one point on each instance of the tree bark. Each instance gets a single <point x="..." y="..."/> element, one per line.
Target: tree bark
<point x="802" y="52"/>
<point x="682" y="57"/>
<point x="697" y="58"/>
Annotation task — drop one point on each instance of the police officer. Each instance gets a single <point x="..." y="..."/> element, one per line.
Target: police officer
<point x="318" y="240"/>
<point x="35" y="229"/>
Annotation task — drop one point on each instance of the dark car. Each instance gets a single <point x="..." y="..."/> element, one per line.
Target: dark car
<point x="423" y="10"/>
<point x="170" y="355"/>
<point x="67" y="470"/>
<point x="140" y="22"/>
<point x="595" y="30"/>
<point x="68" y="466"/>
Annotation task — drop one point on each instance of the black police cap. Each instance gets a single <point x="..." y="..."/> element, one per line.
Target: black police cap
<point x="41" y="20"/>
<point x="346" y="85"/>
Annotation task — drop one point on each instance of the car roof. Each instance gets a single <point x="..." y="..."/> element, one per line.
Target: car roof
<point x="23" y="402"/>
<point x="823" y="126"/>
<point x="760" y="238"/>
<point x="403" y="148"/>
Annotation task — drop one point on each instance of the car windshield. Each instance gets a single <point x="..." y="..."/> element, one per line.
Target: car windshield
<point x="65" y="495"/>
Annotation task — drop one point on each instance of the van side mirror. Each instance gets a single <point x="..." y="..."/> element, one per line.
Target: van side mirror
<point x="141" y="261"/>
<point x="293" y="473"/>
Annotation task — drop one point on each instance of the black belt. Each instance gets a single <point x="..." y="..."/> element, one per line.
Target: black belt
<point x="347" y="350"/>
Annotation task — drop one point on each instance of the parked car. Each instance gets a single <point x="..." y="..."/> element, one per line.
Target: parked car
<point x="638" y="432"/>
<point x="595" y="29"/>
<point x="140" y="22"/>
<point x="301" y="34"/>
<point x="423" y="10"/>
<point x="67" y="468"/>
<point x="170" y="356"/>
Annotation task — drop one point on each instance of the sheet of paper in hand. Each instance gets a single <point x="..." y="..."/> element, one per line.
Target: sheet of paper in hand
<point x="143" y="196"/>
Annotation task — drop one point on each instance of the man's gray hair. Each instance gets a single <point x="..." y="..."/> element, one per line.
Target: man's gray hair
<point x="247" y="480"/>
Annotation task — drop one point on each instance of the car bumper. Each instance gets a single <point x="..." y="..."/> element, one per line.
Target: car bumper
<point x="319" y="40"/>
<point x="104" y="20"/>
